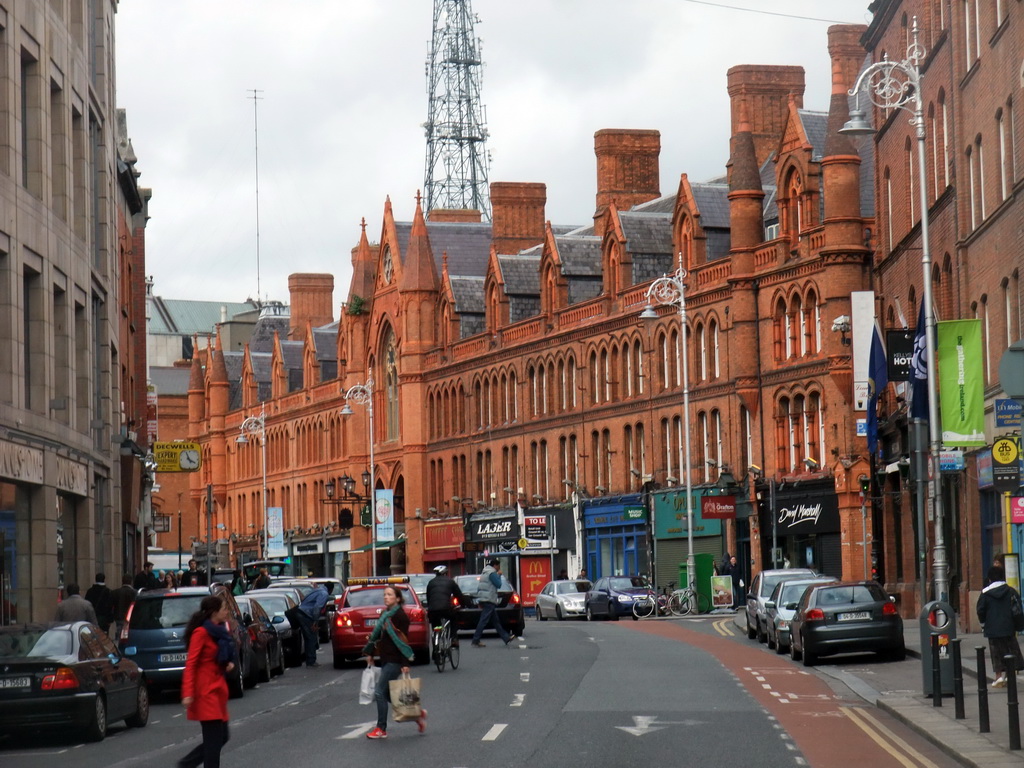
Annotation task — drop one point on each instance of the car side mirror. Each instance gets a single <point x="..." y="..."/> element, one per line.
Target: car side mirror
<point x="769" y="604"/>
<point x="246" y="619"/>
<point x="114" y="658"/>
<point x="791" y="606"/>
<point x="277" y="620"/>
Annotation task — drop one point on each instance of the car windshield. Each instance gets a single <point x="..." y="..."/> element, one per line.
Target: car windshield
<point x="791" y="593"/>
<point x="273" y="605"/>
<point x="468" y="584"/>
<point x="628" y="582"/>
<point x="569" y="587"/>
<point x="771" y="580"/>
<point x="31" y="642"/>
<point x="164" y="612"/>
<point x="848" y="595"/>
<point x="365" y="597"/>
<point x="419" y="581"/>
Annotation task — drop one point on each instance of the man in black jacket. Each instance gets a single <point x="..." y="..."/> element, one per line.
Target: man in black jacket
<point x="99" y="594"/>
<point x="996" y="608"/>
<point x="440" y="591"/>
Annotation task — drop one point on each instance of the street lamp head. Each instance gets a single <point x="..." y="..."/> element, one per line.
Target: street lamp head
<point x="649" y="313"/>
<point x="366" y="479"/>
<point x="857" y="125"/>
<point x="329" y="489"/>
<point x="346" y="410"/>
<point x="242" y="440"/>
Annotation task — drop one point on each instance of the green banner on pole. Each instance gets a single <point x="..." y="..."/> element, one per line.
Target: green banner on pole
<point x="961" y="383"/>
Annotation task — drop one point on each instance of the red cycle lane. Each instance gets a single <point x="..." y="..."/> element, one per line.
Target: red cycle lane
<point x="829" y="730"/>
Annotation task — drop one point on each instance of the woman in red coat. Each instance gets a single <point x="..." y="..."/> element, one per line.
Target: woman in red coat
<point x="204" y="689"/>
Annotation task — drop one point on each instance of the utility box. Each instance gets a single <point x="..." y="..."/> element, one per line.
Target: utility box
<point x="704" y="569"/>
<point x="937" y="619"/>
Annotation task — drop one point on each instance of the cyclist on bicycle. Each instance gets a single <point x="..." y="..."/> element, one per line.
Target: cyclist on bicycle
<point x="440" y="591"/>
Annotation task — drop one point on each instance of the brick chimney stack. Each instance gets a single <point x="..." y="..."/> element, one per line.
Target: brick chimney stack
<point x="312" y="300"/>
<point x="766" y="91"/>
<point x="517" y="215"/>
<point x="627" y="168"/>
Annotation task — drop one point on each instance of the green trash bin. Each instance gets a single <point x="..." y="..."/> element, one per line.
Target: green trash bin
<point x="704" y="569"/>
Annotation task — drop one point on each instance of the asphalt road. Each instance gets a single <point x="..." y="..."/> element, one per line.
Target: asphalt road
<point x="593" y="695"/>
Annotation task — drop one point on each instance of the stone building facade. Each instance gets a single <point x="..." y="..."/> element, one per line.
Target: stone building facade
<point x="72" y="352"/>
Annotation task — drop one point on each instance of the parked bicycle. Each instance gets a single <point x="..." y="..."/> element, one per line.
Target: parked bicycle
<point x="685" y="601"/>
<point x="442" y="650"/>
<point x="651" y="603"/>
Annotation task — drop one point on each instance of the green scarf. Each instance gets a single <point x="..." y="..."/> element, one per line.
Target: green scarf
<point x="384" y="624"/>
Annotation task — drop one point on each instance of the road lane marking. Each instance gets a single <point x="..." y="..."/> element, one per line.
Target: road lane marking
<point x="495" y="732"/>
<point x="524" y="677"/>
<point x="360" y="729"/>
<point x="724" y="627"/>
<point x="517" y="699"/>
<point x="875" y="730"/>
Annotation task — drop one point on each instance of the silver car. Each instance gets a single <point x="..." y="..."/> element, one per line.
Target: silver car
<point x="761" y="590"/>
<point x="562" y="599"/>
<point x="780" y="607"/>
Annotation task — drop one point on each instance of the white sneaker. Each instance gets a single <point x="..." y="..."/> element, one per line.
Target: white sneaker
<point x="999" y="682"/>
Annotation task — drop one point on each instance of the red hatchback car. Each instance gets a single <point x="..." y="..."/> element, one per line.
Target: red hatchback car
<point x="357" y="611"/>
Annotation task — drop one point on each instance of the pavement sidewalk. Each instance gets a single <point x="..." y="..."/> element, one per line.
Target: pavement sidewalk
<point x="898" y="688"/>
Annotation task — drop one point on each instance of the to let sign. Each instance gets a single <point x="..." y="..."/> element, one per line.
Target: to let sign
<point x="536" y="526"/>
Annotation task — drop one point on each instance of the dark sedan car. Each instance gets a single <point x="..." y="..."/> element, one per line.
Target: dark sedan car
<point x="154" y="636"/>
<point x="266" y="644"/>
<point x="613" y="596"/>
<point x="56" y="676"/>
<point x="276" y="604"/>
<point x="510" y="606"/>
<point x="845" y="618"/>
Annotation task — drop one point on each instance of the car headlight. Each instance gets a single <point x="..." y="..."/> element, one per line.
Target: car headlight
<point x="625" y="599"/>
<point x="783" y="624"/>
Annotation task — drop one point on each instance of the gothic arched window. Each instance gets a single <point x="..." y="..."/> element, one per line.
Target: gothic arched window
<point x="391" y="387"/>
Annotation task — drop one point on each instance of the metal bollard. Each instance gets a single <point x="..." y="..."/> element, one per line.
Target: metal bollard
<point x="958" y="681"/>
<point x="983" y="724"/>
<point x="936" y="673"/>
<point x="1012" y="706"/>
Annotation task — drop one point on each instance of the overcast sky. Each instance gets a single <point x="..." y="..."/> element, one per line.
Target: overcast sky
<point x="343" y="98"/>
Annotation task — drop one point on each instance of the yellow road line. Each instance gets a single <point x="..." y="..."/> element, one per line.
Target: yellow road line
<point x="724" y="628"/>
<point x="875" y="730"/>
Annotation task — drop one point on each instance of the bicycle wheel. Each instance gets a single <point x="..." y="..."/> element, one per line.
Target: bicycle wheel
<point x="678" y="605"/>
<point x="643" y="607"/>
<point x="453" y="656"/>
<point x="440" y="652"/>
<point x="703" y="603"/>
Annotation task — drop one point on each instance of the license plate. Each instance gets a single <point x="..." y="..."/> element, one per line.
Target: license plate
<point x="857" y="616"/>
<point x="170" y="658"/>
<point x="370" y="623"/>
<point x="16" y="682"/>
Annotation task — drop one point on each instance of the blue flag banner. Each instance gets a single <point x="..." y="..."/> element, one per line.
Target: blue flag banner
<point x="878" y="379"/>
<point x="919" y="371"/>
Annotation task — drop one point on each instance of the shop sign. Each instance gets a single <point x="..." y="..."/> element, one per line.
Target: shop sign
<point x="442" y="534"/>
<point x="718" y="507"/>
<point x="812" y="511"/>
<point x="984" y="469"/>
<point x="610" y="515"/>
<point x="951" y="460"/>
<point x="499" y="529"/>
<point x="1008" y="413"/>
<point x="635" y="514"/>
<point x="72" y="477"/>
<point x="535" y="572"/>
<point x="900" y="345"/>
<point x="670" y="516"/>
<point x="19" y="462"/>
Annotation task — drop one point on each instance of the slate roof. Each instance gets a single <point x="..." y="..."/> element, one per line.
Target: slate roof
<point x="713" y="203"/>
<point x="262" y="339"/>
<point x="468" y="245"/>
<point x="647" y="232"/>
<point x="325" y="339"/>
<point x="666" y="204"/>
<point x="469" y="294"/>
<point x="182" y="316"/>
<point x="816" y="127"/>
<point x="580" y="255"/>
<point x="521" y="272"/>
<point x="170" y="380"/>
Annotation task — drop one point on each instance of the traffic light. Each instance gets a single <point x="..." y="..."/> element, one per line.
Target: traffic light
<point x="865" y="485"/>
<point x="366" y="516"/>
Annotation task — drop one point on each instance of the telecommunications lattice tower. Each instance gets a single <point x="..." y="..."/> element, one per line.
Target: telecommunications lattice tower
<point x="457" y="160"/>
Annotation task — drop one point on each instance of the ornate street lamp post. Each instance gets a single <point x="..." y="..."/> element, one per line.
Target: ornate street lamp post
<point x="897" y="85"/>
<point x="257" y="426"/>
<point x="668" y="291"/>
<point x="362" y="394"/>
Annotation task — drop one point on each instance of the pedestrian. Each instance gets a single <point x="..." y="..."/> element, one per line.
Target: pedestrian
<point x="169" y="581"/>
<point x="443" y="594"/>
<point x="193" y="577"/>
<point x="731" y="568"/>
<point x="99" y="594"/>
<point x="309" y="611"/>
<point x="996" y="613"/>
<point x="563" y="575"/>
<point x="389" y="641"/>
<point x="74" y="607"/>
<point x="263" y="580"/>
<point x="237" y="583"/>
<point x="583" y="574"/>
<point x="146" y="579"/>
<point x="487" y="599"/>
<point x="121" y="601"/>
<point x="204" y="688"/>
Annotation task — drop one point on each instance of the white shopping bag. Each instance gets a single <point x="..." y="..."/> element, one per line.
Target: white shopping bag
<point x="368" y="685"/>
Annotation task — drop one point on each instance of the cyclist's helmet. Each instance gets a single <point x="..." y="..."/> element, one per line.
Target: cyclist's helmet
<point x="440" y="570"/>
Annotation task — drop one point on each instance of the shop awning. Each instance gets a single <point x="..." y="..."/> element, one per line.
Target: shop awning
<point x="443" y="555"/>
<point x="380" y="545"/>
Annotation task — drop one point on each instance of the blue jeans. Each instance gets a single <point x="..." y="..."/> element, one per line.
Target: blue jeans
<point x="382" y="693"/>
<point x="488" y="617"/>
<point x="309" y="637"/>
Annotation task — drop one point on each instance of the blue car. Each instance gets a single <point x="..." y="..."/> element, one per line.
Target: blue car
<point x="613" y="596"/>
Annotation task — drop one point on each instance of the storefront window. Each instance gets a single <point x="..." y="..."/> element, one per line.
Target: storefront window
<point x="14" y="553"/>
<point x="67" y="543"/>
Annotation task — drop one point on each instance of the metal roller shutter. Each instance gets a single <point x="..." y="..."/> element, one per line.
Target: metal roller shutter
<point x="671" y="553"/>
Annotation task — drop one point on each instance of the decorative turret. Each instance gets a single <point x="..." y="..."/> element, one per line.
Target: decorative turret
<point x="746" y="230"/>
<point x="418" y="286"/>
<point x="196" y="394"/>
